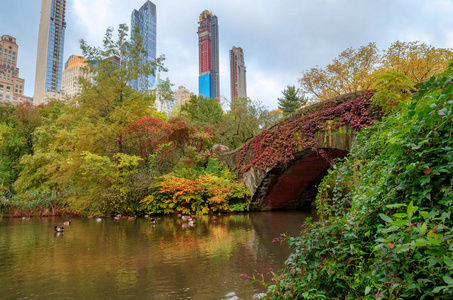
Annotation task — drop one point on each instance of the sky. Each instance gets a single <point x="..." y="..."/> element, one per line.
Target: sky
<point x="280" y="38"/>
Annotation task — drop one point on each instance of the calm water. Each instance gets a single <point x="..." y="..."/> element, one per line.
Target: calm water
<point x="131" y="259"/>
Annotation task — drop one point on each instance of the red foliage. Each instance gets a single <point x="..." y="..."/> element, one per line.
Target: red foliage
<point x="276" y="146"/>
<point x="186" y="133"/>
<point x="145" y="135"/>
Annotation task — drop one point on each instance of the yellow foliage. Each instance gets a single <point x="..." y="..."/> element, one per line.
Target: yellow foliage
<point x="357" y="69"/>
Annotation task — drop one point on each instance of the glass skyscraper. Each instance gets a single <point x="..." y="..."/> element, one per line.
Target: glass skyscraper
<point x="146" y="21"/>
<point x="49" y="61"/>
<point x="208" y="55"/>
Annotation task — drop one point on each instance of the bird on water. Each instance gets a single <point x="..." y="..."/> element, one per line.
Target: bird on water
<point x="59" y="228"/>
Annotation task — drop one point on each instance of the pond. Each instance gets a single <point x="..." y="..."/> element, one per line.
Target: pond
<point x="133" y="259"/>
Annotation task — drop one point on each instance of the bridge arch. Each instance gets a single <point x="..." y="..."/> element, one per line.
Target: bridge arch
<point x="317" y="135"/>
<point x="295" y="186"/>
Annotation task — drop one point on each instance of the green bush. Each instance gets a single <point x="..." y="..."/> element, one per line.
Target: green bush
<point x="394" y="237"/>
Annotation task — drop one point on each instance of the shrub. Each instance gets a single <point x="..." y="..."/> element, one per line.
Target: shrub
<point x="394" y="239"/>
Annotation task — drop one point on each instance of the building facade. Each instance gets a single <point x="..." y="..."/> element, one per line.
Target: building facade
<point x="76" y="67"/>
<point x="49" y="60"/>
<point x="11" y="86"/>
<point x="145" y="19"/>
<point x="237" y="73"/>
<point x="182" y="95"/>
<point x="208" y="55"/>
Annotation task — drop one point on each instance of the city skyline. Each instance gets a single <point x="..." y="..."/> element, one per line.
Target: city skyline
<point x="280" y="39"/>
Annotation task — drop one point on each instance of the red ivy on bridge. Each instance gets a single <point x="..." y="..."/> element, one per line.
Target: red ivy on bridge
<point x="280" y="143"/>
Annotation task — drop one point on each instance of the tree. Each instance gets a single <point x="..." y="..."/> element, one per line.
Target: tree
<point x="144" y="137"/>
<point x="352" y="70"/>
<point x="358" y="69"/>
<point x="202" y="110"/>
<point x="16" y="139"/>
<point x="392" y="88"/>
<point x="416" y="60"/>
<point x="291" y="100"/>
<point x="93" y="125"/>
<point x="111" y="99"/>
<point x="245" y="119"/>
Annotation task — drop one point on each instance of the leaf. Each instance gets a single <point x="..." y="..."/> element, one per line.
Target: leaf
<point x="434" y="242"/>
<point x="448" y="280"/>
<point x="423" y="228"/>
<point x="428" y="171"/>
<point x="424" y="214"/>
<point x="386" y="218"/>
<point x="367" y="290"/>
<point x="443" y="112"/>
<point x="439" y="288"/>
<point x="397" y="205"/>
<point x="400" y="222"/>
<point x="400" y="215"/>
<point x="410" y="212"/>
<point x="448" y="261"/>
<point x="421" y="242"/>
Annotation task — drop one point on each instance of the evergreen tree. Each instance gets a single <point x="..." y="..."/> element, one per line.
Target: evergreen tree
<point x="291" y="100"/>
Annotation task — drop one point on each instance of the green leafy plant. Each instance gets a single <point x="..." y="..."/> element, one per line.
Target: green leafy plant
<point x="392" y="88"/>
<point x="387" y="229"/>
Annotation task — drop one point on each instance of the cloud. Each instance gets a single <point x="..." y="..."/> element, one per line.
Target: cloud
<point x="280" y="39"/>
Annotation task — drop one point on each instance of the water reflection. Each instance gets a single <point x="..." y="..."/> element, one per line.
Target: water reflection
<point x="137" y="259"/>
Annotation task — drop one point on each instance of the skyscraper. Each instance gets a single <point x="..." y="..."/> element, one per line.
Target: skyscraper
<point x="145" y="19"/>
<point x="11" y="86"/>
<point x="237" y="73"/>
<point x="208" y="55"/>
<point x="49" y="61"/>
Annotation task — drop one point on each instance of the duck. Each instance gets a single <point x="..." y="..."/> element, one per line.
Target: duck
<point x="26" y="218"/>
<point x="59" y="228"/>
<point x="186" y="218"/>
<point x="153" y="221"/>
<point x="99" y="220"/>
<point x="67" y="223"/>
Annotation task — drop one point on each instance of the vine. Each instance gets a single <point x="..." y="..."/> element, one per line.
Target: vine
<point x="278" y="145"/>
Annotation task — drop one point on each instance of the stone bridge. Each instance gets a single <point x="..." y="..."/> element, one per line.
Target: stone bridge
<point x="283" y="165"/>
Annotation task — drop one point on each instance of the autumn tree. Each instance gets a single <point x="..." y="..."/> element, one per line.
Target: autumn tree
<point x="352" y="70"/>
<point x="416" y="60"/>
<point x="144" y="136"/>
<point x="291" y="101"/>
<point x="357" y="69"/>
<point x="116" y="64"/>
<point x="89" y="132"/>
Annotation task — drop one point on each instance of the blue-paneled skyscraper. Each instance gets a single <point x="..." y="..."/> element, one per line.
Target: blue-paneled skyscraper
<point x="146" y="20"/>
<point x="208" y="55"/>
<point x="49" y="61"/>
